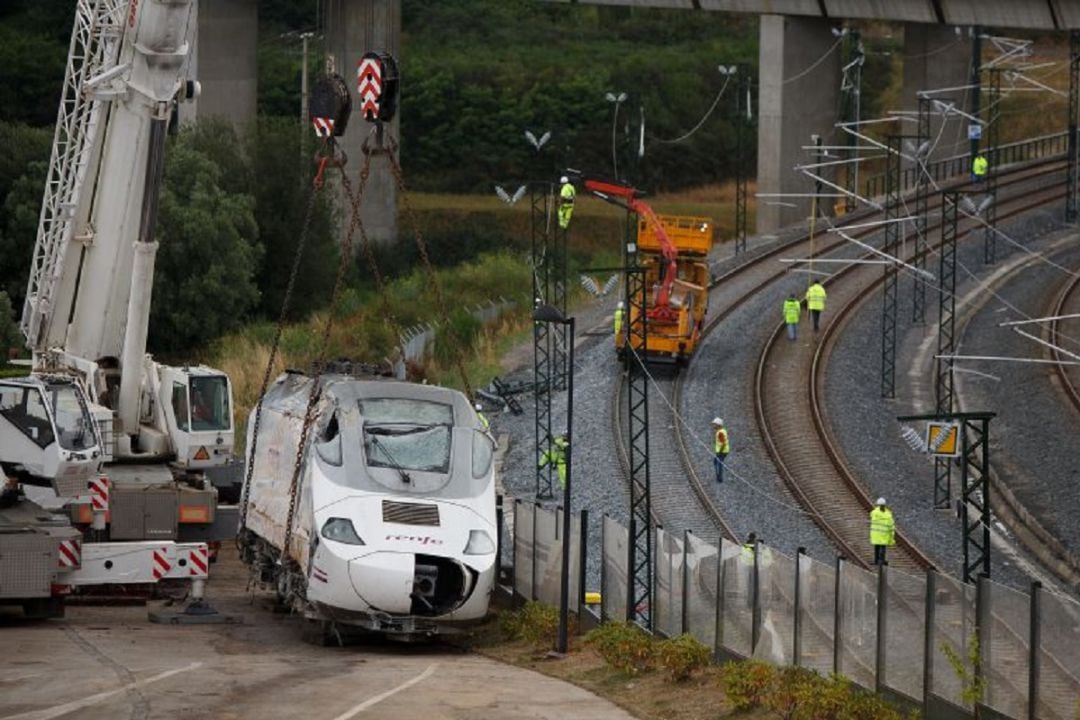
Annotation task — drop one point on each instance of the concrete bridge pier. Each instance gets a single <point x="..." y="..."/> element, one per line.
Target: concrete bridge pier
<point x="223" y="60"/>
<point x="799" y="89"/>
<point x="936" y="57"/>
<point x="354" y="27"/>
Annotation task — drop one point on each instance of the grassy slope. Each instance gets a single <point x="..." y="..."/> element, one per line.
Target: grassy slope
<point x="361" y="331"/>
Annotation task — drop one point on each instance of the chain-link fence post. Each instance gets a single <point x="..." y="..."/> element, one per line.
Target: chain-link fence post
<point x="532" y="590"/>
<point x="982" y="637"/>
<point x="498" y="537"/>
<point x="630" y="570"/>
<point x="583" y="556"/>
<point x="837" y="640"/>
<point x="755" y="612"/>
<point x="882" y="619"/>
<point x="1034" y="643"/>
<point x="721" y="573"/>
<point x="928" y="641"/>
<point x="796" y="641"/>
<point x="685" y="582"/>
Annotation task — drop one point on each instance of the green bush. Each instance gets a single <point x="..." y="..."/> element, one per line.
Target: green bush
<point x="792" y="693"/>
<point x="534" y="623"/>
<point x="681" y="656"/>
<point x="624" y="646"/>
<point x="747" y="684"/>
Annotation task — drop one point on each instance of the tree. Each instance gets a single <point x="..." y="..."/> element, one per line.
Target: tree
<point x="282" y="190"/>
<point x="19" y="213"/>
<point x="9" y="332"/>
<point x="205" y="273"/>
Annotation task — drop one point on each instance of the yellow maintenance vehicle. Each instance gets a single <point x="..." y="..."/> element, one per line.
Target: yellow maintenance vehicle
<point x="673" y="251"/>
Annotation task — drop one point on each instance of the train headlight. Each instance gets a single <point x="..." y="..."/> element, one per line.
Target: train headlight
<point x="341" y="530"/>
<point x="480" y="543"/>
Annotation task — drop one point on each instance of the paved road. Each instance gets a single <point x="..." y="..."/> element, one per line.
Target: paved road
<point x="110" y="662"/>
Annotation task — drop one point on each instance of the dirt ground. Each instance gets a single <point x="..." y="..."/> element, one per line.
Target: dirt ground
<point x="111" y="662"/>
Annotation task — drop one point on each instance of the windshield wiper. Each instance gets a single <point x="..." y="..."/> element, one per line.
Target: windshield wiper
<point x="393" y="463"/>
<point x="411" y="430"/>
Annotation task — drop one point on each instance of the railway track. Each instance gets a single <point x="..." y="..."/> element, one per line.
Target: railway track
<point x="810" y="462"/>
<point x="672" y="470"/>
<point x="815" y="471"/>
<point x="669" y="443"/>
<point x="1068" y="301"/>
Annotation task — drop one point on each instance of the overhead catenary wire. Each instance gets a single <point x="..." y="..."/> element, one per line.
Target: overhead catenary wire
<point x="701" y="122"/>
<point x="817" y="62"/>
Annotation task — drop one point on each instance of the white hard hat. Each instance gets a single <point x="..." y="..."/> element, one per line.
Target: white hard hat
<point x="478" y="407"/>
<point x="564" y="179"/>
<point x="880" y="501"/>
<point x="620" y="304"/>
<point x="717" y="421"/>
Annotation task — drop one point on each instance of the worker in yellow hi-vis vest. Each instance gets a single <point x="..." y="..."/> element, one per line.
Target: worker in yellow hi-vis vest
<point x="566" y="201"/>
<point x="979" y="167"/>
<point x="815" y="302"/>
<point x="556" y="455"/>
<point x="882" y="530"/>
<point x="792" y="313"/>
<point x="619" y="319"/>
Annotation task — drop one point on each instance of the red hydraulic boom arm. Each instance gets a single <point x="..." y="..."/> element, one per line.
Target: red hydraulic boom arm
<point x="630" y="197"/>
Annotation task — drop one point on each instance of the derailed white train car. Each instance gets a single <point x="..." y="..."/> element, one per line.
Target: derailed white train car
<point x="394" y="522"/>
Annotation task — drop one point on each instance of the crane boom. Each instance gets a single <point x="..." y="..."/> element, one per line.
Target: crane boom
<point x="92" y="61"/>
<point x="632" y="199"/>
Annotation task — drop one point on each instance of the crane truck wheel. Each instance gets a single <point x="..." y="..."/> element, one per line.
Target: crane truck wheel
<point x="44" y="608"/>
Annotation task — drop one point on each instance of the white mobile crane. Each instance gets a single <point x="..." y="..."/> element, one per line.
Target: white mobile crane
<point x="95" y="402"/>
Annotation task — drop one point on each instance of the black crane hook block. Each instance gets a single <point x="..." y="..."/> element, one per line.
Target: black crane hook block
<point x="330" y="106"/>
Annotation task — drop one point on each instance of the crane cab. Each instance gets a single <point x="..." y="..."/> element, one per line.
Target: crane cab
<point x="47" y="435"/>
<point x="197" y="404"/>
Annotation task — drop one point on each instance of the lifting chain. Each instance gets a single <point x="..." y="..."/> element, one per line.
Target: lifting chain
<point x="320" y="362"/>
<point x="366" y="245"/>
<point x="433" y="279"/>
<point x="286" y="305"/>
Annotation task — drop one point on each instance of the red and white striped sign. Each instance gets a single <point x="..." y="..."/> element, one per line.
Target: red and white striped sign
<point x="199" y="559"/>
<point x="99" y="493"/>
<point x="160" y="564"/>
<point x="324" y="127"/>
<point x="369" y="86"/>
<point x="69" y="554"/>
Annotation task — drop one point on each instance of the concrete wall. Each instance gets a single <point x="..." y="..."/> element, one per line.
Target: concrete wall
<point x="361" y="26"/>
<point x="936" y="57"/>
<point x="223" y="60"/>
<point x="794" y="102"/>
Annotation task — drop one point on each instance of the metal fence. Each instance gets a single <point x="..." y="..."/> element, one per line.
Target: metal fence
<point x="924" y="640"/>
<point x="1045" y="146"/>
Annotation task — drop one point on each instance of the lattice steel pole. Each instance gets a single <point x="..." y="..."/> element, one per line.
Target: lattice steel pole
<point x="976" y="497"/>
<point x="557" y="299"/>
<point x="1074" y="108"/>
<point x="541" y="211"/>
<point x="742" y="121"/>
<point x="993" y="127"/>
<point x="922" y="203"/>
<point x="950" y="202"/>
<point x="638" y="446"/>
<point x="976" y="84"/>
<point x="852" y="102"/>
<point x="892" y="248"/>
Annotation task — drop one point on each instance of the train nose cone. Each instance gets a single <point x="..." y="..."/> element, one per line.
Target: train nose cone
<point x="384" y="580"/>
